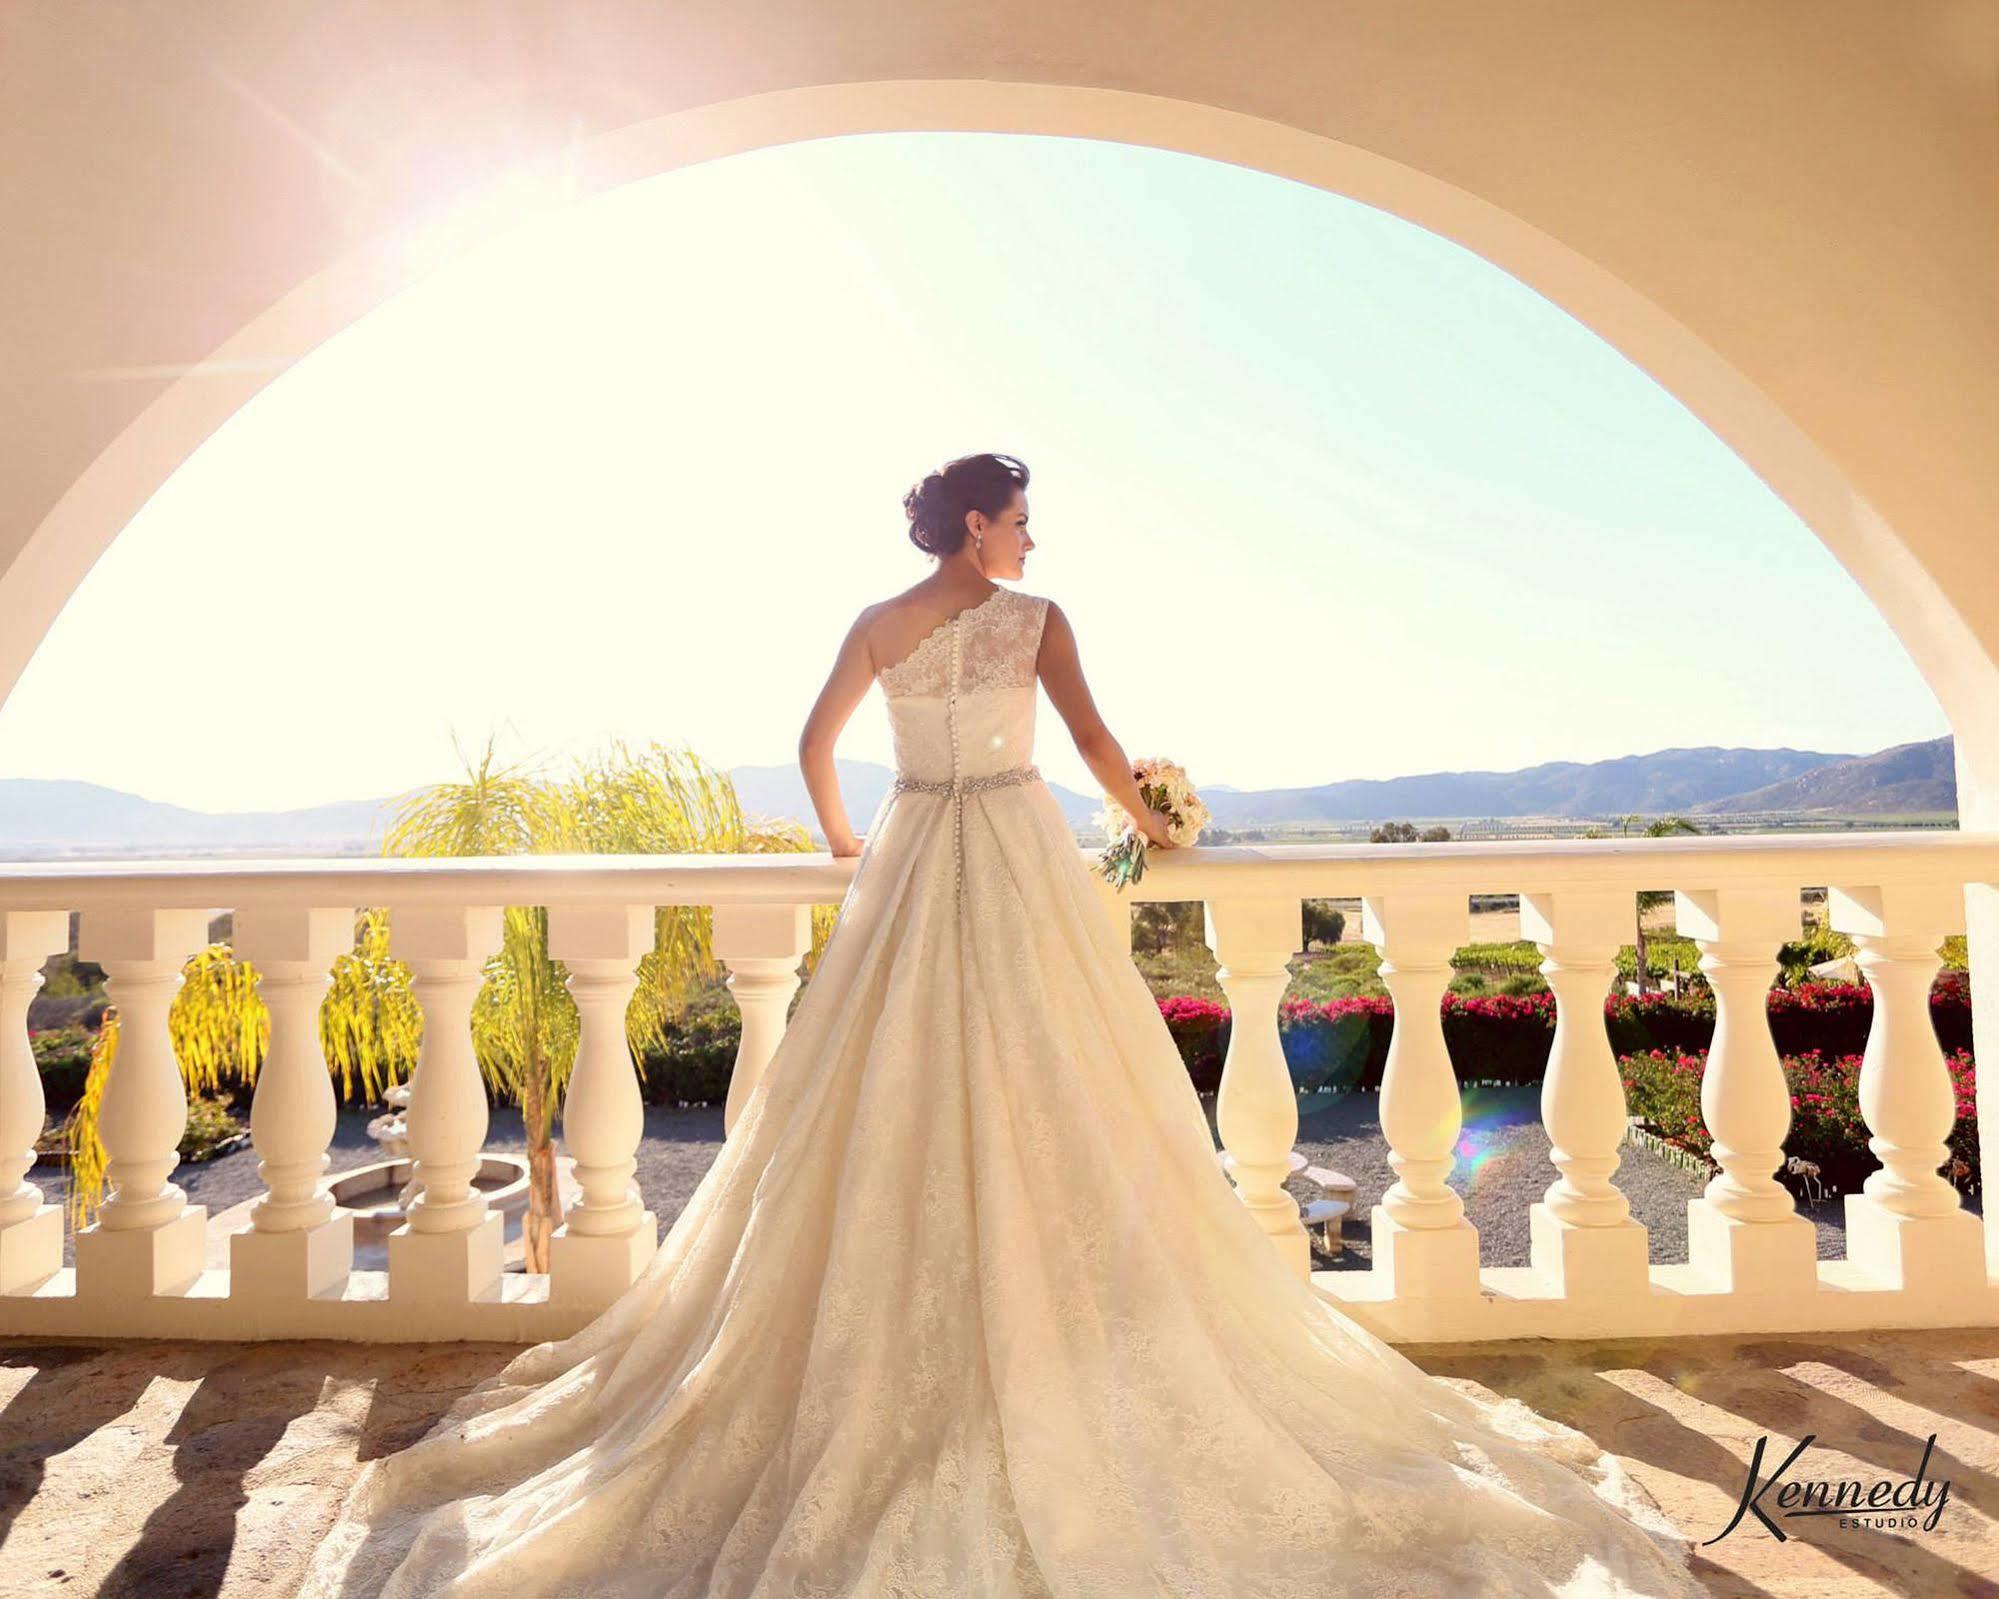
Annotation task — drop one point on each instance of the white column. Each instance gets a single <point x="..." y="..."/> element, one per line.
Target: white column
<point x="147" y="1238"/>
<point x="1581" y="1234"/>
<point x="1424" y="1247"/>
<point x="30" y="1231"/>
<point x="1256" y="1111"/>
<point x="1908" y="1224"/>
<point x="450" y="1247"/>
<point x="608" y="1236"/>
<point x="299" y="1244"/>
<point x="762" y="946"/>
<point x="1744" y="1233"/>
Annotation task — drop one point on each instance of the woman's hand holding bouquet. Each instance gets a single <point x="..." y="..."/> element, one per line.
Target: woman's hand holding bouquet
<point x="1174" y="818"/>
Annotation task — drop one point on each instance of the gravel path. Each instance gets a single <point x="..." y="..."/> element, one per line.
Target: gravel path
<point x="676" y="1150"/>
<point x="1502" y="1168"/>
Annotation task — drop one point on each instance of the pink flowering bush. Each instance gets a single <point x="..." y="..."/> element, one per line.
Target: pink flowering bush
<point x="1201" y="1028"/>
<point x="1662" y="1090"/>
<point x="1832" y="1018"/>
<point x="1820" y="1030"/>
<point x="1505" y="1038"/>
<point x="1659" y="1021"/>
<point x="1343" y="1043"/>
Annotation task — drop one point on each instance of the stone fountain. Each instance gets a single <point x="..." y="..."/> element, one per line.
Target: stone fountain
<point x="377" y="1192"/>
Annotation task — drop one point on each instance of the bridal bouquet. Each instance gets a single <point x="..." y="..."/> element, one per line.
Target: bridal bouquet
<point x="1164" y="786"/>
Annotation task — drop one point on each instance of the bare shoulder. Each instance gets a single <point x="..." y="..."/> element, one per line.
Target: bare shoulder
<point x="860" y="640"/>
<point x="864" y="621"/>
<point x="885" y="612"/>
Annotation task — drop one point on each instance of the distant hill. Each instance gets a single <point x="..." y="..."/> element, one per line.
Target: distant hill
<point x="52" y="818"/>
<point x="1665" y="780"/>
<point x="1903" y="779"/>
<point x="55" y="818"/>
<point x="59" y="816"/>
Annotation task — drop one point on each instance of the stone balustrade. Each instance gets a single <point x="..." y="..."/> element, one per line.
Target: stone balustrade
<point x="1915" y="1255"/>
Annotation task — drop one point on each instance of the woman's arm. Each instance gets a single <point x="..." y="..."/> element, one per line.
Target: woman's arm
<point x="1062" y="675"/>
<point x="852" y="675"/>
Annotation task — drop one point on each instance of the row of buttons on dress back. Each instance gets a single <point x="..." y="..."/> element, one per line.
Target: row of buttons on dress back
<point x="958" y="786"/>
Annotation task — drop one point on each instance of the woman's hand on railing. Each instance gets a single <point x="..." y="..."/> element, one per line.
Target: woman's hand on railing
<point x="850" y="845"/>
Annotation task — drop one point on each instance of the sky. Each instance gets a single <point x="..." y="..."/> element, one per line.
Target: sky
<point x="1324" y="496"/>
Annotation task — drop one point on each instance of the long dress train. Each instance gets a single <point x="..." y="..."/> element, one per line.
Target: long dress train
<point x="966" y="1307"/>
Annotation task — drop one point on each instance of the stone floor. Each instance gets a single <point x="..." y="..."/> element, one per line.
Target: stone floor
<point x="188" y="1470"/>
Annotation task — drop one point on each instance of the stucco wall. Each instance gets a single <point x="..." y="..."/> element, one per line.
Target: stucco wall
<point x="1801" y="192"/>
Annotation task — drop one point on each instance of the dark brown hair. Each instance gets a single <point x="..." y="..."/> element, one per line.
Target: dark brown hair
<point x="937" y="506"/>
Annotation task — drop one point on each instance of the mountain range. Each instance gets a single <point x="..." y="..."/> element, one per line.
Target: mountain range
<point x="42" y="818"/>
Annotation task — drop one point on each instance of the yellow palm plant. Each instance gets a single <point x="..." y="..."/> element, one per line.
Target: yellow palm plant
<point x="369" y="1027"/>
<point x="524" y="1025"/>
<point x="86" y="1149"/>
<point x="219" y="1029"/>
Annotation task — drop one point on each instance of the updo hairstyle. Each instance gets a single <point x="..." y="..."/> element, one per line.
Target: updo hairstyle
<point x="937" y="506"/>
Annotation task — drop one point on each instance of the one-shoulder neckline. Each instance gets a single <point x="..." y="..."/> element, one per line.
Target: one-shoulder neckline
<point x="955" y="616"/>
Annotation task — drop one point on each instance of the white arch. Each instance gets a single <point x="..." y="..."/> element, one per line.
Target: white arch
<point x="102" y="501"/>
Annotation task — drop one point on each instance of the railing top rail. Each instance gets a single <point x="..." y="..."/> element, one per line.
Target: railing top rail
<point x="1313" y="871"/>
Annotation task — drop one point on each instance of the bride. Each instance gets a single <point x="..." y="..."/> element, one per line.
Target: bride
<point x="965" y="1305"/>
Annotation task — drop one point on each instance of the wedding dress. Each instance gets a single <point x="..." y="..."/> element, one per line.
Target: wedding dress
<point x="965" y="1305"/>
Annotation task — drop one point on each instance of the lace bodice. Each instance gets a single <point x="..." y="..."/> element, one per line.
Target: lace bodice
<point x="961" y="704"/>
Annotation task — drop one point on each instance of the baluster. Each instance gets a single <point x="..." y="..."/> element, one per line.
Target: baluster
<point x="299" y="1244"/>
<point x="1256" y="1111"/>
<point x="608" y="1236"/>
<point x="1581" y="1232"/>
<point x="147" y="1238"/>
<point x="1744" y="1233"/>
<point x="451" y="1245"/>
<point x="1424" y="1247"/>
<point x="761" y="945"/>
<point x="30" y="1231"/>
<point x="1908" y="1224"/>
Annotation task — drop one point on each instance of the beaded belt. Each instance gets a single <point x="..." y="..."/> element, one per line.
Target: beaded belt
<point x="958" y="788"/>
<point x="966" y="785"/>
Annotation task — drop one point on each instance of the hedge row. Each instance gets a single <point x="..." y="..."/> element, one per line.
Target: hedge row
<point x="1502" y="1038"/>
